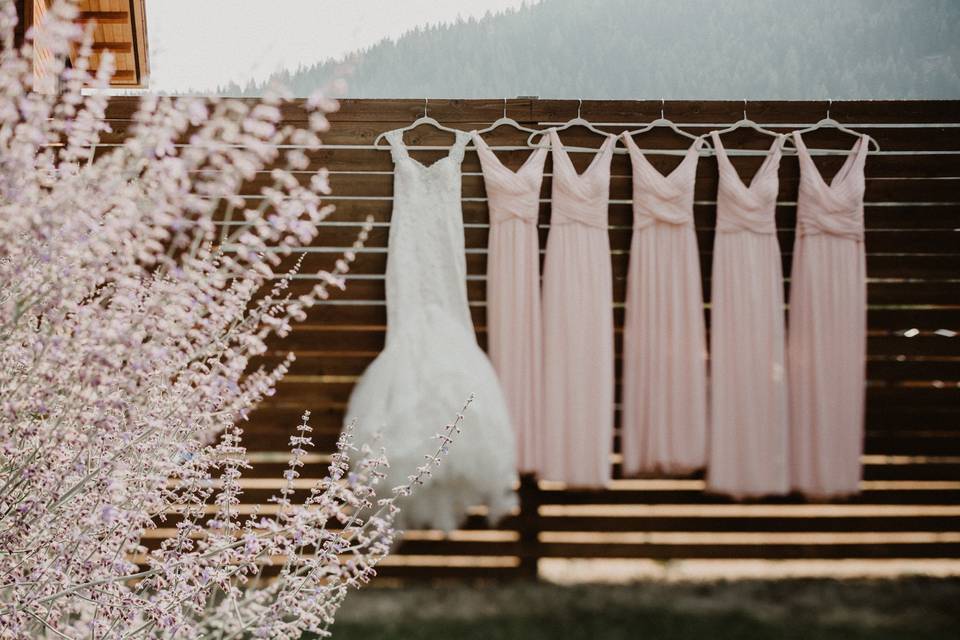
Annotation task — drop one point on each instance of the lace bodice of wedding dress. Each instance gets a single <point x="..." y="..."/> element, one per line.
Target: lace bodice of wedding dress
<point x="431" y="361"/>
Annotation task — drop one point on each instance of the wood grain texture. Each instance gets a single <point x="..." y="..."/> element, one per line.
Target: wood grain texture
<point x="912" y="436"/>
<point x="405" y="110"/>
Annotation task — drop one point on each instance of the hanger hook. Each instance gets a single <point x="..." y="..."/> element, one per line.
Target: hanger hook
<point x="662" y="103"/>
<point x="744" y="108"/>
<point x="579" y="106"/>
<point x="425" y="101"/>
<point x="829" y="104"/>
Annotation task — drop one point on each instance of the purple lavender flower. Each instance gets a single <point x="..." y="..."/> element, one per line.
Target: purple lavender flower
<point x="135" y="287"/>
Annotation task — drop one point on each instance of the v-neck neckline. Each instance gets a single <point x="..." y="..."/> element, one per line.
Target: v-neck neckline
<point x="775" y="148"/>
<point x="845" y="170"/>
<point x="398" y="140"/>
<point x="526" y="163"/>
<point x="596" y="156"/>
<point x="427" y="167"/>
<point x="664" y="177"/>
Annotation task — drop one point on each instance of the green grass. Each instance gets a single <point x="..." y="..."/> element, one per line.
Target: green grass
<point x="907" y="609"/>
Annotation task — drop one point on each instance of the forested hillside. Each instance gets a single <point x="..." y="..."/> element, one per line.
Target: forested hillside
<point x="771" y="49"/>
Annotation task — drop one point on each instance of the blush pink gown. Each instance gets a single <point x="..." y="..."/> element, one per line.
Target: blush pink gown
<point x="664" y="423"/>
<point x="513" y="294"/>
<point x="827" y="330"/>
<point x="578" y="323"/>
<point x="748" y="386"/>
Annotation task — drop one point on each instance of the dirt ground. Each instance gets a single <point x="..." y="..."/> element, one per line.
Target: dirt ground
<point x="919" y="608"/>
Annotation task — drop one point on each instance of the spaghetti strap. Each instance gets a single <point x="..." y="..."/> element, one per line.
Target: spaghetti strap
<point x="863" y="150"/>
<point x="775" y="151"/>
<point x="480" y="142"/>
<point x="802" y="152"/>
<point x="608" y="144"/>
<point x="720" y="150"/>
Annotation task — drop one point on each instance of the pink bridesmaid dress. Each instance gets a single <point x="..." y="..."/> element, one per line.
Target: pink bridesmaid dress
<point x="748" y="386"/>
<point x="578" y="323"/>
<point x="664" y="422"/>
<point x="513" y="294"/>
<point x="827" y="337"/>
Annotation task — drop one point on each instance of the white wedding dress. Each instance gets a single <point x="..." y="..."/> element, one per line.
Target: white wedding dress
<point x="431" y="362"/>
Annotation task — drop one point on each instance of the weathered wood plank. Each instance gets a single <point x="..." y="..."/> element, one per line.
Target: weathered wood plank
<point x="878" y="293"/>
<point x="380" y="185"/>
<point x="752" y="524"/>
<point x="897" y="265"/>
<point x="912" y="241"/>
<point x="532" y="110"/>
<point x="767" y="551"/>
<point x="877" y="216"/>
<point x="910" y="139"/>
<point x="884" y="318"/>
<point x="314" y="340"/>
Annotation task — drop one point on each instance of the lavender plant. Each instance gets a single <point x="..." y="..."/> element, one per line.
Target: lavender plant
<point x="136" y="285"/>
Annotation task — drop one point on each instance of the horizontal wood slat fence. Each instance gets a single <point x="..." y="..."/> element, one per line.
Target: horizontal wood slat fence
<point x="910" y="501"/>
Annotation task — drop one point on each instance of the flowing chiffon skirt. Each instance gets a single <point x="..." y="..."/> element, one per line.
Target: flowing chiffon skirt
<point x="664" y="399"/>
<point x="827" y="332"/>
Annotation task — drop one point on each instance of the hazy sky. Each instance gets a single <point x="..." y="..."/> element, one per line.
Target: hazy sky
<point x="199" y="44"/>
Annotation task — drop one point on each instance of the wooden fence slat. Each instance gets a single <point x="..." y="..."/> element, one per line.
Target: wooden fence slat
<point x="926" y="266"/>
<point x="764" y="111"/>
<point x="883" y="318"/>
<point x="313" y="340"/>
<point x="896" y="496"/>
<point x="380" y="185"/>
<point x="880" y="368"/>
<point x="349" y="159"/>
<point x="932" y="431"/>
<point x="926" y="469"/>
<point x="406" y="110"/>
<point x="878" y="293"/>
<point x="925" y="241"/>
<point x="745" y="551"/>
<point x="690" y="496"/>
<point x="751" y="524"/>
<point x="352" y="159"/>
<point x="886" y="216"/>
<point x="932" y="138"/>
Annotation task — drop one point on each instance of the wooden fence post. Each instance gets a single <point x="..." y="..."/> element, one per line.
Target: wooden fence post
<point x="24" y="21"/>
<point x="528" y="526"/>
